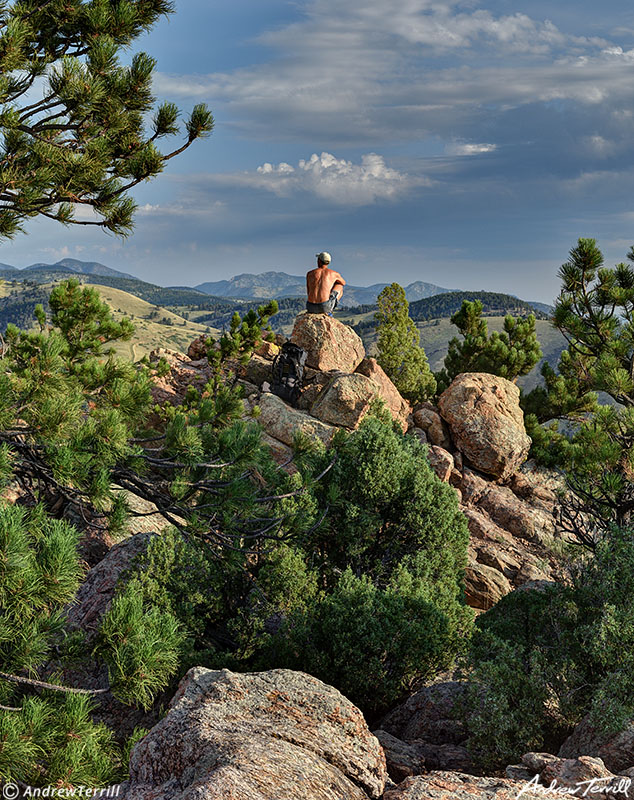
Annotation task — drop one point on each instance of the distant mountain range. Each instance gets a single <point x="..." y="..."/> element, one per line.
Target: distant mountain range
<point x="66" y="265"/>
<point x="276" y="285"/>
<point x="241" y="288"/>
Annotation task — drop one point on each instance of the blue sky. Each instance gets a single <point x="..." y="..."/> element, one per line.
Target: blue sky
<point x="468" y="144"/>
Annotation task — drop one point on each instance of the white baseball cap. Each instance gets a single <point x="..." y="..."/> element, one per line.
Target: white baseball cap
<point x="324" y="257"/>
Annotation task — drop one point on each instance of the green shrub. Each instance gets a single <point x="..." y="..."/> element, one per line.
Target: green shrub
<point x="385" y="502"/>
<point x="140" y="645"/>
<point x="540" y="660"/>
<point x="372" y="644"/>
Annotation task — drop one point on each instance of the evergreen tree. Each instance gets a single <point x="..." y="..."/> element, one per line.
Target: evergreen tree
<point x="82" y="142"/>
<point x="595" y="313"/>
<point x="69" y="415"/>
<point x="509" y="354"/>
<point x="400" y="353"/>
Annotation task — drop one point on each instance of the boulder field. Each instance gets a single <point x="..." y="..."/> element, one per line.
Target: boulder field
<point x="475" y="435"/>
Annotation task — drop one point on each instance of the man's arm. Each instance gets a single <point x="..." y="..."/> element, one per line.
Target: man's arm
<point x="338" y="284"/>
<point x="339" y="279"/>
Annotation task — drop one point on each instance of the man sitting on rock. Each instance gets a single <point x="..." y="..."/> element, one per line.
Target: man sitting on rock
<point x="324" y="287"/>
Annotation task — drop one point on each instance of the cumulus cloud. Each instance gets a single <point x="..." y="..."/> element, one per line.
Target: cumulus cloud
<point x="333" y="179"/>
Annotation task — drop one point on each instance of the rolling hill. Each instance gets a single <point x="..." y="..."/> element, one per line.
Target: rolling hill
<point x="156" y="326"/>
<point x="66" y="265"/>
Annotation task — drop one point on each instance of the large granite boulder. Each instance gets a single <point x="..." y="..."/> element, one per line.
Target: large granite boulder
<point x="282" y="422"/>
<point x="486" y="422"/>
<point x="278" y="735"/>
<point x="398" y="406"/>
<point x="345" y="401"/>
<point x="616" y="750"/>
<point x="329" y="343"/>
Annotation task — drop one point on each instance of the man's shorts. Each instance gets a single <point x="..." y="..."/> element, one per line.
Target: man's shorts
<point x="327" y="307"/>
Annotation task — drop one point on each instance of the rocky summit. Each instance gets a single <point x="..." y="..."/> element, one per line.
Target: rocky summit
<point x="476" y="442"/>
<point x="284" y="735"/>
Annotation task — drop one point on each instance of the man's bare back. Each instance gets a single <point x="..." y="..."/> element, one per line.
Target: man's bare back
<point x="321" y="281"/>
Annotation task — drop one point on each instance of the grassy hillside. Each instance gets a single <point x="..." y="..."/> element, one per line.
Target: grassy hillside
<point x="152" y="323"/>
<point x="156" y="326"/>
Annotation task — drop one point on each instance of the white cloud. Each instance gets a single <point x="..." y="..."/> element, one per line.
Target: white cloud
<point x="185" y="208"/>
<point x="599" y="146"/>
<point x="466" y="149"/>
<point x="410" y="69"/>
<point x="333" y="179"/>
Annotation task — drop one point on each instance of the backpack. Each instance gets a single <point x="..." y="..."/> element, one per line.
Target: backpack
<point x="288" y="371"/>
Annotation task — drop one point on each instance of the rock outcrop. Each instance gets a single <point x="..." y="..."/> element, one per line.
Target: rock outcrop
<point x="486" y="422"/>
<point x="398" y="407"/>
<point x="616" y="750"/>
<point x="282" y="422"/>
<point x="183" y="372"/>
<point x="429" y="420"/>
<point x="428" y="723"/>
<point x="277" y="735"/>
<point x="484" y="585"/>
<point x="402" y="758"/>
<point x="329" y="343"/>
<point x="510" y="509"/>
<point x="345" y="400"/>
<point x="96" y="592"/>
<point x="571" y="777"/>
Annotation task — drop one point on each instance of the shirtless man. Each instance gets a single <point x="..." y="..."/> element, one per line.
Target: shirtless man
<point x="324" y="287"/>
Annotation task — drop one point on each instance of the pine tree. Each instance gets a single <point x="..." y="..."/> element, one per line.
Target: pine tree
<point x="595" y="313"/>
<point x="509" y="354"/>
<point x="400" y="353"/>
<point x="70" y="412"/>
<point x="52" y="737"/>
<point x="82" y="142"/>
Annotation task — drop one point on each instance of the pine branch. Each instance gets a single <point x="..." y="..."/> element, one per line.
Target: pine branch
<point x="42" y="685"/>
